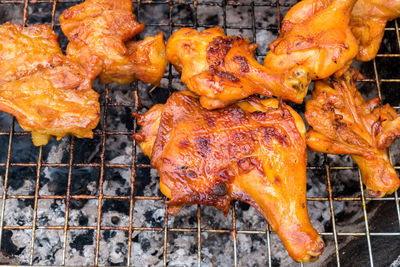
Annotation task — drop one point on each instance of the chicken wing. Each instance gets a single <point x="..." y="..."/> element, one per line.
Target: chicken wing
<point x="48" y="94"/>
<point x="344" y="123"/>
<point x="253" y="151"/>
<point x="315" y="34"/>
<point x="368" y="21"/>
<point x="223" y="69"/>
<point x="97" y="31"/>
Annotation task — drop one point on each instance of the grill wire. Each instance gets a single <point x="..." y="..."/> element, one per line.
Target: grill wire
<point x="134" y="166"/>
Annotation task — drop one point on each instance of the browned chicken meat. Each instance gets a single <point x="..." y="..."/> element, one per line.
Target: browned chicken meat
<point x="315" y="34"/>
<point x="344" y="123"/>
<point x="24" y="50"/>
<point x="368" y="21"/>
<point x="98" y="31"/>
<point x="148" y="58"/>
<point x="253" y="151"/>
<point x="48" y="94"/>
<point x="223" y="69"/>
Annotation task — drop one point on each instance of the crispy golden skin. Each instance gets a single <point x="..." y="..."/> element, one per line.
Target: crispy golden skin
<point x="344" y="123"/>
<point x="223" y="69"/>
<point x="368" y="21"/>
<point x="97" y="31"/>
<point x="48" y="94"/>
<point x="24" y="50"/>
<point x="148" y="58"/>
<point x="253" y="151"/>
<point x="315" y="34"/>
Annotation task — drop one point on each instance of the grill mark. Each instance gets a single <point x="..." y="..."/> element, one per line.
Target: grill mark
<point x="277" y="180"/>
<point x="183" y="144"/>
<point x="274" y="133"/>
<point x="210" y="121"/>
<point x="226" y="174"/>
<point x="224" y="75"/>
<point x="243" y="64"/>
<point x="220" y="189"/>
<point x="249" y="163"/>
<point x="219" y="47"/>
<point x="191" y="174"/>
<point x="203" y="144"/>
<point x="228" y="76"/>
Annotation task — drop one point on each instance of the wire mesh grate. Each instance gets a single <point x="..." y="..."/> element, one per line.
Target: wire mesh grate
<point x="168" y="21"/>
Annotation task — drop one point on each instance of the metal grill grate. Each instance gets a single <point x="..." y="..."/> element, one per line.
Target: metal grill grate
<point x="274" y="7"/>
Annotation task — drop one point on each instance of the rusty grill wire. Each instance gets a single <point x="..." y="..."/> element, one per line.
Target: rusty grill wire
<point x="133" y="166"/>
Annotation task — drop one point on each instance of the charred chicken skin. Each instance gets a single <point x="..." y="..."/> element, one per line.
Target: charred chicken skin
<point x="368" y="21"/>
<point x="253" y="151"/>
<point x="315" y="34"/>
<point x="344" y="123"/>
<point x="223" y="69"/>
<point x="98" y="31"/>
<point x="49" y="94"/>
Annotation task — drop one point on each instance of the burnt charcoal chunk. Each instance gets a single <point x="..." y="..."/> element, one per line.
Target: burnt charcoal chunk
<point x="115" y="205"/>
<point x="115" y="219"/>
<point x="83" y="220"/>
<point x="145" y="244"/>
<point x="80" y="241"/>
<point x="7" y="246"/>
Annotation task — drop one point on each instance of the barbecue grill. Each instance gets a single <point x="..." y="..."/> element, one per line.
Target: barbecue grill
<point x="97" y="202"/>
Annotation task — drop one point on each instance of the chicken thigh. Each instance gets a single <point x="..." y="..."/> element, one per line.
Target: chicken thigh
<point x="48" y="93"/>
<point x="98" y="31"/>
<point x="24" y="50"/>
<point x="253" y="151"/>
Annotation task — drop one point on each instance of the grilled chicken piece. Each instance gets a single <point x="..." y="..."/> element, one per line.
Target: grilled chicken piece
<point x="97" y="31"/>
<point x="315" y="34"/>
<point x="253" y="151"/>
<point x="48" y="94"/>
<point x="344" y="123"/>
<point x="148" y="58"/>
<point x="24" y="50"/>
<point x="368" y="21"/>
<point x="223" y="69"/>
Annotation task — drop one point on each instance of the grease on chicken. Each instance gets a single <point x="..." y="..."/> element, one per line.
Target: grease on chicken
<point x="368" y="21"/>
<point x="98" y="31"/>
<point x="223" y="69"/>
<point x="344" y="123"/>
<point x="253" y="151"/>
<point x="47" y="93"/>
<point x="315" y="34"/>
<point x="24" y="50"/>
<point x="148" y="58"/>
